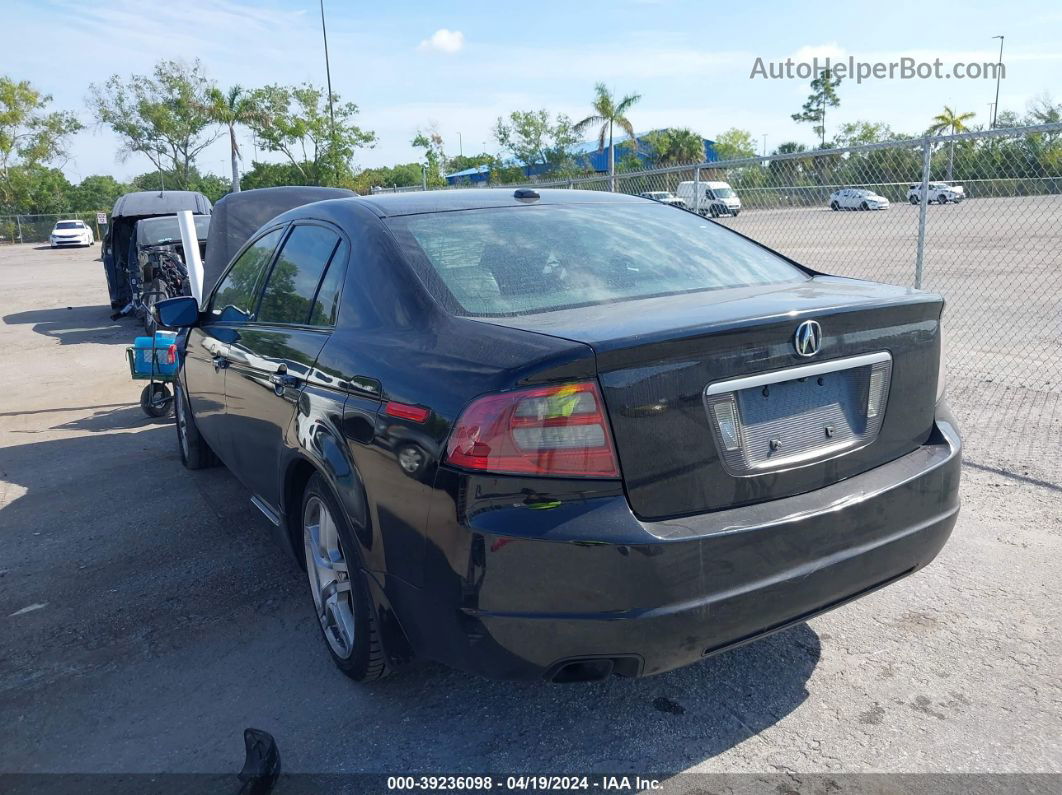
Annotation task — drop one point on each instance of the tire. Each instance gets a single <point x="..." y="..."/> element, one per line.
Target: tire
<point x="835" y="206"/>
<point x="195" y="452"/>
<point x="942" y="200"/>
<point x="155" y="292"/>
<point x="340" y="593"/>
<point x="736" y="213"/>
<point x="913" y="199"/>
<point x="156" y="400"/>
<point x="864" y="206"/>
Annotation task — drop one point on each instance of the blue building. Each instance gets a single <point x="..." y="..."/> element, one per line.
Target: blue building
<point x="586" y="154"/>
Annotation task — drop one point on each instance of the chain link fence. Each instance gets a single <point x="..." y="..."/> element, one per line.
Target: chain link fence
<point x="37" y="228"/>
<point x="976" y="217"/>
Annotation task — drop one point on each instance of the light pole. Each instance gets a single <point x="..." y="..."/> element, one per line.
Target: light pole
<point x="999" y="74"/>
<point x="765" y="144"/>
<point x="328" y="77"/>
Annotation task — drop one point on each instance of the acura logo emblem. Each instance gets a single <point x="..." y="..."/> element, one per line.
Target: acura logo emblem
<point x="808" y="338"/>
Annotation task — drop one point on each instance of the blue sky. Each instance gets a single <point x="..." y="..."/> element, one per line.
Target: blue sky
<point x="691" y="61"/>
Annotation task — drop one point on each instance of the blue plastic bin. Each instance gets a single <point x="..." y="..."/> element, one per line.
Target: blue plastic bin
<point x="157" y="349"/>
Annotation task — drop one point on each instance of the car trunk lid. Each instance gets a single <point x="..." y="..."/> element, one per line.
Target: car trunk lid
<point x="669" y="367"/>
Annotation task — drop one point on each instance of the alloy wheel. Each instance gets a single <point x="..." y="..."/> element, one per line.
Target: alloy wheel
<point x="329" y="575"/>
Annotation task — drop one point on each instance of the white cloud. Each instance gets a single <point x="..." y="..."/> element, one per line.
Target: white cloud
<point x="445" y="41"/>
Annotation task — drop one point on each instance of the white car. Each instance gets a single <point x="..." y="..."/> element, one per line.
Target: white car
<point x="857" y="199"/>
<point x="71" y="232"/>
<point x="939" y="192"/>
<point x="664" y="197"/>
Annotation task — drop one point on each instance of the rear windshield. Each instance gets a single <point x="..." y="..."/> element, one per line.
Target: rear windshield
<point x="70" y="225"/>
<point x="520" y="260"/>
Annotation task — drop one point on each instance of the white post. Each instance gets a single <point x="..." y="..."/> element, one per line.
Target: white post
<point x="190" y="241"/>
<point x="697" y="191"/>
<point x="920" y="246"/>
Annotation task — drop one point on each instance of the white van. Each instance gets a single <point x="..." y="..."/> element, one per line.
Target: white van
<point x="717" y="198"/>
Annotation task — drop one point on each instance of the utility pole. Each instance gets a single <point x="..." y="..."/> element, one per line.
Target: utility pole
<point x="765" y="144"/>
<point x="328" y="78"/>
<point x="460" y="145"/>
<point x="999" y="74"/>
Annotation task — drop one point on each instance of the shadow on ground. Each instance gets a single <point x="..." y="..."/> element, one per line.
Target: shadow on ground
<point x="72" y="325"/>
<point x="169" y="619"/>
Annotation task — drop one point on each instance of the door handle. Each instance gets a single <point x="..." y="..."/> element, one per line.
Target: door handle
<point x="281" y="381"/>
<point x="219" y="362"/>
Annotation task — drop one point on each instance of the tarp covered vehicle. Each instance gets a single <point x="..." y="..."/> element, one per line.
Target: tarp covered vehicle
<point x="237" y="216"/>
<point x="120" y="260"/>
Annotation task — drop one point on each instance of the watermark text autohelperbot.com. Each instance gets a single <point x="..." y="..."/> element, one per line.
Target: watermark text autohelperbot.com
<point x="903" y="68"/>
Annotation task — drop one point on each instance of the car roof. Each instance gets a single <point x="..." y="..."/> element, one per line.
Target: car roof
<point x="69" y="220"/>
<point x="160" y="203"/>
<point x="438" y="201"/>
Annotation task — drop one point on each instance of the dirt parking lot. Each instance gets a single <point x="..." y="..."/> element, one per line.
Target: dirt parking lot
<point x="147" y="619"/>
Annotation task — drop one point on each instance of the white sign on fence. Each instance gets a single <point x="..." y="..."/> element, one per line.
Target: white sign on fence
<point x="101" y="219"/>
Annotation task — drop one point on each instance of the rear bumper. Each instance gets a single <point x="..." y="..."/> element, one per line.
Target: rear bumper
<point x="647" y="597"/>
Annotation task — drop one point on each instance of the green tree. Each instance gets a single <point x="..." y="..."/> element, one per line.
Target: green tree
<point x="162" y="116"/>
<point x="823" y="95"/>
<point x="435" y="163"/>
<point x="788" y="173"/>
<point x="233" y="108"/>
<point x="675" y="146"/>
<point x="211" y="185"/>
<point x="609" y="113"/>
<point x="30" y="137"/>
<point x="461" y="162"/>
<point x="735" y="144"/>
<point x="36" y="189"/>
<point x="295" y="121"/>
<point x="950" y="122"/>
<point x="857" y="133"/>
<point x="533" y="137"/>
<point x="271" y="175"/>
<point x="97" y="192"/>
<point x="400" y="175"/>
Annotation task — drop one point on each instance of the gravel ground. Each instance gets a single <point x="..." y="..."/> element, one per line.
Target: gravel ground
<point x="146" y="620"/>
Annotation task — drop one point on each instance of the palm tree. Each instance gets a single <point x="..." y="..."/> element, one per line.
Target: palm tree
<point x="677" y="146"/>
<point x="231" y="108"/>
<point x="951" y="122"/>
<point x="607" y="113"/>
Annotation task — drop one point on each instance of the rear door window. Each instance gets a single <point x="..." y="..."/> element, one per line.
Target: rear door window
<point x="293" y="283"/>
<point x="234" y="300"/>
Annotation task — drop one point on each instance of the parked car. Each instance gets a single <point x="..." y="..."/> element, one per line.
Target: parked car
<point x="120" y="259"/>
<point x="939" y="192"/>
<point x="646" y="439"/>
<point x="717" y="198"/>
<point x="857" y="199"/>
<point x="664" y="197"/>
<point x="71" y="232"/>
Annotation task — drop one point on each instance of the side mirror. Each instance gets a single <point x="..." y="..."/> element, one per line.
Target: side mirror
<point x="179" y="312"/>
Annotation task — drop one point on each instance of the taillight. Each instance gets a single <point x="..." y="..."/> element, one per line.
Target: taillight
<point x="553" y="430"/>
<point x="171" y="355"/>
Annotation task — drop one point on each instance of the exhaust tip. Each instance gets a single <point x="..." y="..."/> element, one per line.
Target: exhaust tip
<point x="592" y="669"/>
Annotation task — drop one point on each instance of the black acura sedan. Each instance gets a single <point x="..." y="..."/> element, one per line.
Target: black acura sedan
<point x="565" y="434"/>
